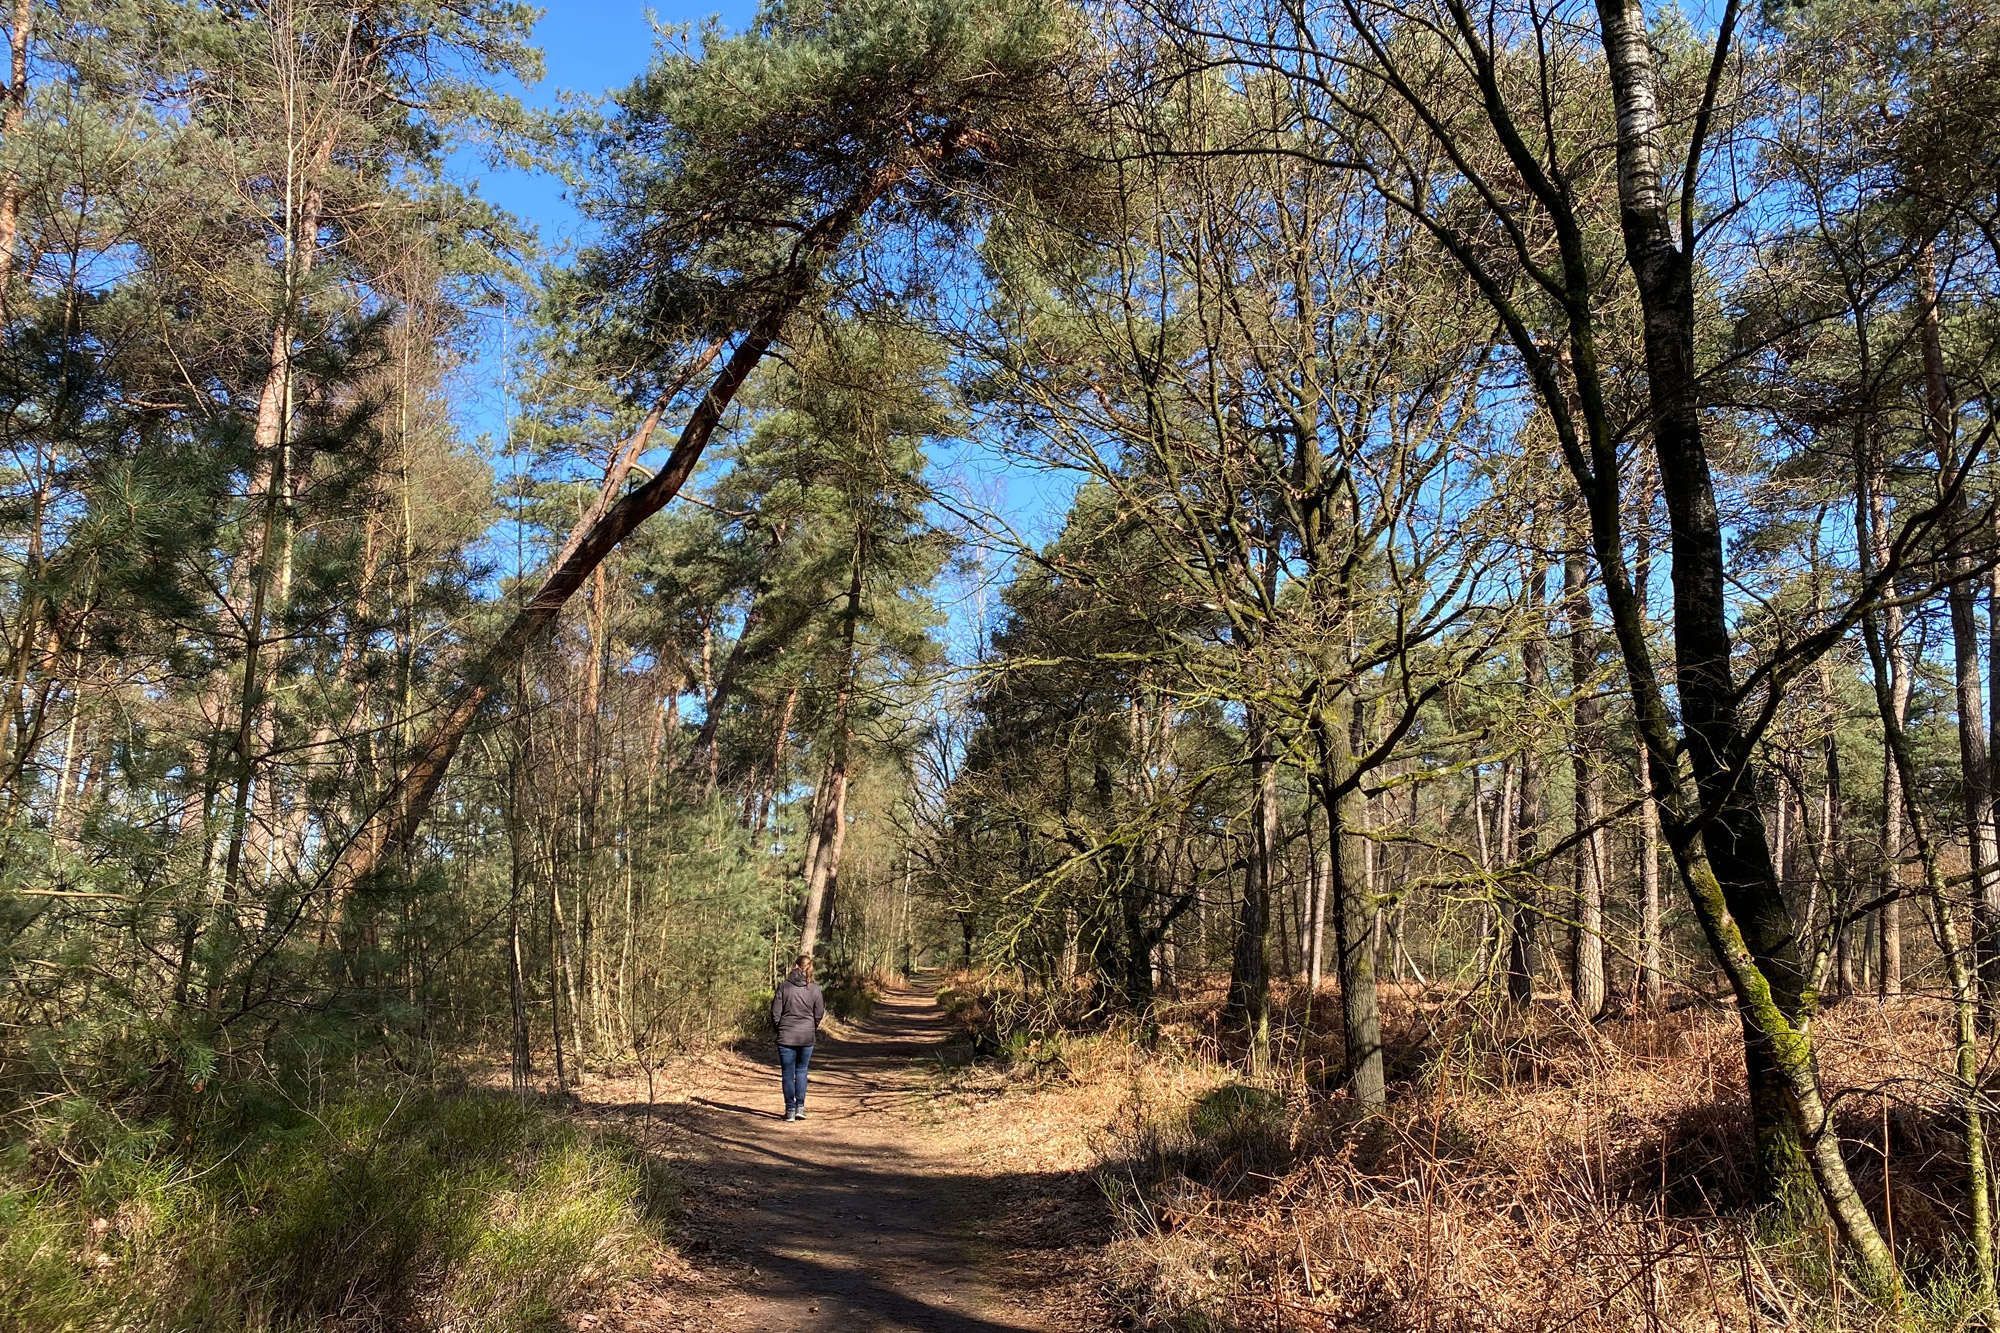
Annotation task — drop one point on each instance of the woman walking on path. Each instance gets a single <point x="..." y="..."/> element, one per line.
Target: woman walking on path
<point x="797" y="1009"/>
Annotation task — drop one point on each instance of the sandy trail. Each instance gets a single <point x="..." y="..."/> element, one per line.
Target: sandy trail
<point x="852" y="1220"/>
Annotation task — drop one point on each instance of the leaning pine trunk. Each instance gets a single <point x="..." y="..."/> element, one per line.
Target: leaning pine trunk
<point x="397" y="816"/>
<point x="609" y="520"/>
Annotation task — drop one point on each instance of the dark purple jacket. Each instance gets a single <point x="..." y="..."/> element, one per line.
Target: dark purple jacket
<point x="797" y="1009"/>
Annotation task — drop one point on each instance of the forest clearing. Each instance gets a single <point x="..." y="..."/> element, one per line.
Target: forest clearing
<point x="1337" y="655"/>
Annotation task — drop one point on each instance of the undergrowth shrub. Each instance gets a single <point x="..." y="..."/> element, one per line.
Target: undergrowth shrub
<point x="1530" y="1171"/>
<point x="374" y="1211"/>
<point x="851" y="996"/>
<point x="1238" y="1120"/>
<point x="1036" y="1024"/>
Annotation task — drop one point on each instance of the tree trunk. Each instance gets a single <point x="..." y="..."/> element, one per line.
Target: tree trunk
<point x="1993" y="656"/>
<point x="1781" y="842"/>
<point x="767" y="797"/>
<point x="739" y="657"/>
<point x="555" y="983"/>
<point x="590" y="797"/>
<point x="1652" y="983"/>
<point x="1962" y="601"/>
<point x="1250" y="976"/>
<point x="266" y="560"/>
<point x="1506" y="827"/>
<point x="830" y="805"/>
<point x="1125" y="884"/>
<point x="1732" y="841"/>
<point x="1993" y="695"/>
<point x="1353" y="920"/>
<point x="828" y="837"/>
<point x="1964" y="987"/>
<point x="1589" y="863"/>
<point x="1371" y="869"/>
<point x="1524" y="916"/>
<point x="608" y="521"/>
<point x="1833" y="845"/>
<point x="1489" y="916"/>
<point x="521" y="1065"/>
<point x="1322" y="876"/>
<point x="1975" y="778"/>
<point x="563" y="968"/>
<point x="13" y="115"/>
<point x="1873" y="504"/>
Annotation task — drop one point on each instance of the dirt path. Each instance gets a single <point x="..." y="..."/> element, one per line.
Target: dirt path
<point x="854" y="1220"/>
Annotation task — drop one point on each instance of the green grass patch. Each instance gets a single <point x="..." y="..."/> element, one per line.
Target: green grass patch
<point x="1216" y="1135"/>
<point x="849" y="999"/>
<point x="1236" y="1115"/>
<point x="466" y="1211"/>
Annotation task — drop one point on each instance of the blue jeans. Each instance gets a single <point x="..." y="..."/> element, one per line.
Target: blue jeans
<point x="793" y="1060"/>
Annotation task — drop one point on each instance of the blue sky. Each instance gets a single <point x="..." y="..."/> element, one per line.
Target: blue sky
<point x="589" y="48"/>
<point x="592" y="47"/>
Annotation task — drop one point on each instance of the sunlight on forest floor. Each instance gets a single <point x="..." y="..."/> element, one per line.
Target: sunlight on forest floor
<point x="1545" y="1174"/>
<point x="1530" y="1174"/>
<point x="465" y="1211"/>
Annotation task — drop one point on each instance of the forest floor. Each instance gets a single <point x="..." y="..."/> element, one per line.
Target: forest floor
<point x="1540" y="1173"/>
<point x="891" y="1207"/>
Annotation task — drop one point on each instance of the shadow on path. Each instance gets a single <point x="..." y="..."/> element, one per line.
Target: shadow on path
<point x="847" y="1219"/>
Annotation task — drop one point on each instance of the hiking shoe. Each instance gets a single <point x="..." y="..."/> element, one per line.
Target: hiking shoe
<point x="799" y="1114"/>
<point x="790" y="1114"/>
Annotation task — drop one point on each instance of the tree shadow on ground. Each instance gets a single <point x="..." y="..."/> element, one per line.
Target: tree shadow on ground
<point x="839" y="1220"/>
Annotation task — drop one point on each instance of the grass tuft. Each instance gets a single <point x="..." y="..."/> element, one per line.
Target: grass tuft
<point x="375" y="1211"/>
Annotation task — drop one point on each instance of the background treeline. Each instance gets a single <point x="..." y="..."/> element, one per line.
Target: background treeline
<point x="1530" y="535"/>
<point x="249" y="308"/>
<point x="247" y="539"/>
<point x="1533" y="541"/>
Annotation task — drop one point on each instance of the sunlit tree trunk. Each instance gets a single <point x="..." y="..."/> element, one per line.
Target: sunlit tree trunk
<point x="1523" y="913"/>
<point x="1322" y="876"/>
<point x="829" y="834"/>
<point x="1873" y="501"/>
<point x="1590" y="862"/>
<point x="1962" y="604"/>
<point x="1964" y="989"/>
<point x="1353" y="913"/>
<point x="1652" y="981"/>
<point x="13" y="118"/>
<point x="1795" y="1149"/>
<point x="520" y="1061"/>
